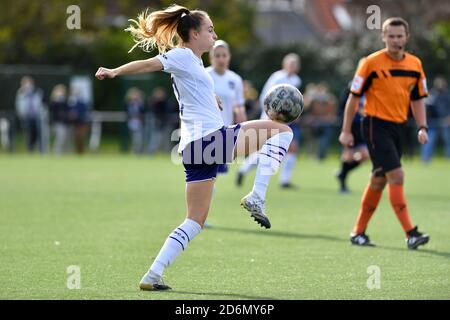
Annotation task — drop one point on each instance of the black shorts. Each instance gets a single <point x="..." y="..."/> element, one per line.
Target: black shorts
<point x="384" y="140"/>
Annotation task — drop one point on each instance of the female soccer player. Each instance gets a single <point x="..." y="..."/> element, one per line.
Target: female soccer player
<point x="205" y="142"/>
<point x="228" y="87"/>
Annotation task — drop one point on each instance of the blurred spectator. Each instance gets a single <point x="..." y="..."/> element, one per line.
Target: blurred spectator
<point x="30" y="111"/>
<point x="135" y="112"/>
<point x="173" y="122"/>
<point x="78" y="118"/>
<point x="353" y="156"/>
<point x="438" y="118"/>
<point x="7" y="130"/>
<point x="156" y="117"/>
<point x="59" y="117"/>
<point x="320" y="116"/>
<point x="252" y="108"/>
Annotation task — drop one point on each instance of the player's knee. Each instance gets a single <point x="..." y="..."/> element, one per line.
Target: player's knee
<point x="279" y="127"/>
<point x="364" y="155"/>
<point x="377" y="183"/>
<point x="286" y="128"/>
<point x="396" y="176"/>
<point x="377" y="186"/>
<point x="346" y="156"/>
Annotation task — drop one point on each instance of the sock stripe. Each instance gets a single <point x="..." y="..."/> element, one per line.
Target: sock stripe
<point x="189" y="240"/>
<point x="177" y="241"/>
<point x="279" y="161"/>
<point x="279" y="153"/>
<point x="269" y="144"/>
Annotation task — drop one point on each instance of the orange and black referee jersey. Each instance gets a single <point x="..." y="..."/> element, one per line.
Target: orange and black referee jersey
<point x="389" y="85"/>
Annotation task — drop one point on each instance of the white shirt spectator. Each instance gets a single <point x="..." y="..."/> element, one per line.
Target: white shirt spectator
<point x="230" y="89"/>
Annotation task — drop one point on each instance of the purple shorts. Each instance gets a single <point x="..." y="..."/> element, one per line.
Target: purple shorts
<point x="223" y="169"/>
<point x="203" y="157"/>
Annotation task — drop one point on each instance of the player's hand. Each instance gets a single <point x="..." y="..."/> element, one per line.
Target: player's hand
<point x="346" y="139"/>
<point x="103" y="73"/>
<point x="422" y="136"/>
<point x="219" y="103"/>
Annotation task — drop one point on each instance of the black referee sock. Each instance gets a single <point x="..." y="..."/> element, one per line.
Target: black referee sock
<point x="347" y="167"/>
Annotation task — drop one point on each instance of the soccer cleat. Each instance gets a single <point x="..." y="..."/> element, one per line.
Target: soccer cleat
<point x="239" y="179"/>
<point x="416" y="239"/>
<point x="289" y="185"/>
<point x="361" y="239"/>
<point x="152" y="282"/>
<point x="257" y="207"/>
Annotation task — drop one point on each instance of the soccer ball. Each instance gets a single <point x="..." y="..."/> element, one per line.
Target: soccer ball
<point x="283" y="103"/>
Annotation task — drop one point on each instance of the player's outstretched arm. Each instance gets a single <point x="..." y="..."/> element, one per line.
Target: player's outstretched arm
<point x="351" y="107"/>
<point x="420" y="115"/>
<point x="135" y="67"/>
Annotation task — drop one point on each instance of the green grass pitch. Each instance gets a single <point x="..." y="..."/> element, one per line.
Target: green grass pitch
<point x="109" y="215"/>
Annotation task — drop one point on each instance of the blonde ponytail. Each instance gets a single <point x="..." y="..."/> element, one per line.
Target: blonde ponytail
<point x="164" y="29"/>
<point x="161" y="29"/>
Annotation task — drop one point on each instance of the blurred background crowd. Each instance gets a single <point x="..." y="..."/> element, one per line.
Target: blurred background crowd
<point x="50" y="102"/>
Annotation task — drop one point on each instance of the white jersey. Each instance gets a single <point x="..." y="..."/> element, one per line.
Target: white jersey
<point x="230" y="89"/>
<point x="194" y="90"/>
<point x="278" y="77"/>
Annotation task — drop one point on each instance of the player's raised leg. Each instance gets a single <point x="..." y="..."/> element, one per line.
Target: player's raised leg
<point x="272" y="139"/>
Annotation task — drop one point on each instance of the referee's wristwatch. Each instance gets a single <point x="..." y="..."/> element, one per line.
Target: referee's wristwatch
<point x="422" y="127"/>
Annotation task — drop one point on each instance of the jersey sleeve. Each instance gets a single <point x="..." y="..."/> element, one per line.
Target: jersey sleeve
<point x="362" y="79"/>
<point x="174" y="61"/>
<point x="420" y="90"/>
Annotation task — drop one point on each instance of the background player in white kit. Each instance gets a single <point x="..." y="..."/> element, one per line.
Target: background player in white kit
<point x="229" y="88"/>
<point x="189" y="34"/>
<point x="287" y="75"/>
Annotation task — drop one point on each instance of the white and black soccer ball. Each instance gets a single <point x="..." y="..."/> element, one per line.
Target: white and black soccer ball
<point x="283" y="103"/>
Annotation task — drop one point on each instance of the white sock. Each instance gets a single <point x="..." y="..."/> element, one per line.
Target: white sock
<point x="270" y="157"/>
<point x="176" y="242"/>
<point x="249" y="163"/>
<point x="288" y="167"/>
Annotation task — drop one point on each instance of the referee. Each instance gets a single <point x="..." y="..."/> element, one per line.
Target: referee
<point x="392" y="80"/>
